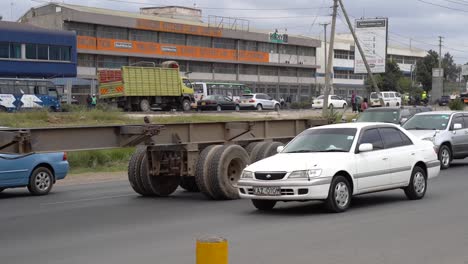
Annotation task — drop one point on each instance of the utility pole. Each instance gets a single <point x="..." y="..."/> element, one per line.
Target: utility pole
<point x="329" y="68"/>
<point x="325" y="25"/>
<point x="358" y="45"/>
<point x="440" y="51"/>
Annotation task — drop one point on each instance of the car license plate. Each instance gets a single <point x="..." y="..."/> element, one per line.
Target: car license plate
<point x="244" y="102"/>
<point x="203" y="103"/>
<point x="267" y="191"/>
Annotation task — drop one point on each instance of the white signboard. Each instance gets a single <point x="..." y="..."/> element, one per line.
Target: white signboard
<point x="464" y="70"/>
<point x="372" y="35"/>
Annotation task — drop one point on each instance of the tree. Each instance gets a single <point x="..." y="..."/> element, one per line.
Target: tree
<point x="424" y="69"/>
<point x="451" y="71"/>
<point x="390" y="80"/>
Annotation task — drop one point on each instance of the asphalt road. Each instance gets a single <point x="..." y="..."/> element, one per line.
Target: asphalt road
<point x="107" y="223"/>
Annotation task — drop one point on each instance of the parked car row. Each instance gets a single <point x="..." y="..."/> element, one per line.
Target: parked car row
<point x="247" y="101"/>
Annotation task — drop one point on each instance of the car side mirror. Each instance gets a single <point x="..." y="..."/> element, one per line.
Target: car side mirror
<point x="457" y="126"/>
<point x="366" y="147"/>
<point x="280" y="149"/>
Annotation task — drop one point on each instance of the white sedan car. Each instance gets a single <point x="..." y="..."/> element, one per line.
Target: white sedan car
<point x="334" y="101"/>
<point x="333" y="163"/>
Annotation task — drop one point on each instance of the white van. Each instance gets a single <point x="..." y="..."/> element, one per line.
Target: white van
<point x="389" y="99"/>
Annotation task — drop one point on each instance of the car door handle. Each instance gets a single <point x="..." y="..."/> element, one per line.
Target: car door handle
<point x="385" y="159"/>
<point x="412" y="154"/>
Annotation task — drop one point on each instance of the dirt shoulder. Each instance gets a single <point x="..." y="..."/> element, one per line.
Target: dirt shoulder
<point x="93" y="177"/>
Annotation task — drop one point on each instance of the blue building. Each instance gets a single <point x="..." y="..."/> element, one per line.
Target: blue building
<point x="32" y="52"/>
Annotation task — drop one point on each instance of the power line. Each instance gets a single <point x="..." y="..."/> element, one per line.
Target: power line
<point x="442" y="6"/>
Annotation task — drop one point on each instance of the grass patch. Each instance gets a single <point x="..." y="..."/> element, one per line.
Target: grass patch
<point x="109" y="160"/>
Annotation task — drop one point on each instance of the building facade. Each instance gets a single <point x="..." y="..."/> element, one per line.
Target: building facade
<point x="345" y="81"/>
<point x="212" y="51"/>
<point x="27" y="51"/>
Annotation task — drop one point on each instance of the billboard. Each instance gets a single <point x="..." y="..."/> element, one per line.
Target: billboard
<point x="372" y="35"/>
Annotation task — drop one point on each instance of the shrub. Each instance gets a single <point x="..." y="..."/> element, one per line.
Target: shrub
<point x="456" y="105"/>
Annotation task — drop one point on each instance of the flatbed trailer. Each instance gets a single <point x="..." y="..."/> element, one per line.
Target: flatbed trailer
<point x="207" y="157"/>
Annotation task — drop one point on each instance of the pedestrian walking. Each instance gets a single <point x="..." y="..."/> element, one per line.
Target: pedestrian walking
<point x="89" y="100"/>
<point x="282" y="102"/>
<point x="364" y="105"/>
<point x="353" y="102"/>
<point x="93" y="101"/>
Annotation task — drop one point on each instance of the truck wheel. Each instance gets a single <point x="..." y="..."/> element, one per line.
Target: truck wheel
<point x="225" y="169"/>
<point x="189" y="184"/>
<point x="269" y="150"/>
<point x="40" y="181"/>
<point x="186" y="105"/>
<point x="134" y="172"/>
<point x="160" y="185"/>
<point x="250" y="147"/>
<point x="145" y="105"/>
<point x="201" y="170"/>
<point x="256" y="152"/>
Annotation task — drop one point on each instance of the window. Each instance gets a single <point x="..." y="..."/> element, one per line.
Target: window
<point x="392" y="138"/>
<point x="458" y="120"/>
<point x="306" y="51"/>
<point x="372" y="136"/>
<point x="248" y="45"/>
<point x="262" y="96"/>
<point x="172" y="38"/>
<point x="42" y="52"/>
<point x="225" y="68"/>
<point x="222" y="43"/>
<point x="199" y="41"/>
<point x="287" y="49"/>
<point x="4" y="50"/>
<point x="144" y="35"/>
<point x="187" y="83"/>
<point x="195" y="66"/>
<point x="268" y="70"/>
<point x="306" y="73"/>
<point x="31" y="51"/>
<point x="322" y="140"/>
<point x="65" y="53"/>
<point x="54" y="52"/>
<point x="112" y="32"/>
<point x="341" y="54"/>
<point x="248" y="69"/>
<point x="15" y="51"/>
<point x="111" y="61"/>
<point x="288" y="71"/>
<point x="267" y="47"/>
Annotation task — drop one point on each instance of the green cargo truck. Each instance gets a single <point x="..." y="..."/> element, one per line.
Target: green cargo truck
<point x="146" y="88"/>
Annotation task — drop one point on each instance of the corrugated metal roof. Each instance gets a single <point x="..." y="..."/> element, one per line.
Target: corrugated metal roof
<point x="7" y="26"/>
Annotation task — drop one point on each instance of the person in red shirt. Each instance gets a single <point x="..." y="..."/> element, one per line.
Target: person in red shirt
<point x="364" y="105"/>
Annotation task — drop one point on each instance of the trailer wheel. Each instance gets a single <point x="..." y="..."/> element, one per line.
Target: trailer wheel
<point x="269" y="150"/>
<point x="225" y="169"/>
<point x="256" y="152"/>
<point x="250" y="147"/>
<point x="201" y="170"/>
<point x="145" y="105"/>
<point x="160" y="185"/>
<point x="134" y="172"/>
<point x="189" y="184"/>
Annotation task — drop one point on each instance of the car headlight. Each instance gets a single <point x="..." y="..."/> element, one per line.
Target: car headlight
<point x="431" y="139"/>
<point x="305" y="174"/>
<point x="247" y="175"/>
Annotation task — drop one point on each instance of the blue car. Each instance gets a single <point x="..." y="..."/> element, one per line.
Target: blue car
<point x="37" y="172"/>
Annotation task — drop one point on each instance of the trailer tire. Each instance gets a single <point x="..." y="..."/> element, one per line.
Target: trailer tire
<point x="225" y="170"/>
<point x="186" y="105"/>
<point x="250" y="147"/>
<point x="160" y="185"/>
<point x="134" y="172"/>
<point x="269" y="150"/>
<point x="145" y="105"/>
<point x="201" y="170"/>
<point x="257" y="152"/>
<point x="189" y="184"/>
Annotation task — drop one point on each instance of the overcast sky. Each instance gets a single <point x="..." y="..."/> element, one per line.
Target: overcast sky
<point x="408" y="19"/>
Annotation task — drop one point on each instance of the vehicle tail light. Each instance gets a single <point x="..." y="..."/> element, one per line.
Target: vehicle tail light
<point x="251" y="101"/>
<point x="65" y="156"/>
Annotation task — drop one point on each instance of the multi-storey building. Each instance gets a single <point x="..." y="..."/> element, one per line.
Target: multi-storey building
<point x="345" y="81"/>
<point x="213" y="51"/>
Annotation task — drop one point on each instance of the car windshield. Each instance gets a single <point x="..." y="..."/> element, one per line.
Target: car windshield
<point x="320" y="97"/>
<point x="380" y="116"/>
<point x="427" y="122"/>
<point x="374" y="96"/>
<point x="322" y="140"/>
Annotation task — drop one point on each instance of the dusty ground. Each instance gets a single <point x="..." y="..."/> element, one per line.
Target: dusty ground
<point x="88" y="178"/>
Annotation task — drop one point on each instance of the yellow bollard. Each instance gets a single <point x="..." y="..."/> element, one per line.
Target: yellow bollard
<point x="212" y="250"/>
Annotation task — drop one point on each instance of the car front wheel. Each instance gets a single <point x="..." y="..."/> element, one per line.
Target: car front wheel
<point x="339" y="195"/>
<point x="2" y="189"/>
<point x="237" y="108"/>
<point x="418" y="184"/>
<point x="218" y="108"/>
<point x="445" y="157"/>
<point x="259" y="107"/>
<point x="41" y="181"/>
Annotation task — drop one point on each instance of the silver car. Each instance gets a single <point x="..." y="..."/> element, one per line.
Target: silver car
<point x="448" y="131"/>
<point x="258" y="101"/>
